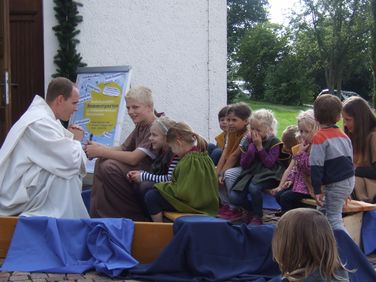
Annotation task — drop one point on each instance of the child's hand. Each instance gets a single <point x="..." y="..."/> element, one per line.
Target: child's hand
<point x="256" y="139"/>
<point x="303" y="147"/>
<point x="134" y="176"/>
<point x="221" y="179"/>
<point x="275" y="190"/>
<point x="319" y="199"/>
<point x="287" y="184"/>
<point x="348" y="200"/>
<point x="94" y="149"/>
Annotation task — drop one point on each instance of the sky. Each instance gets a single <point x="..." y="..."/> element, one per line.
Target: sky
<point x="280" y="8"/>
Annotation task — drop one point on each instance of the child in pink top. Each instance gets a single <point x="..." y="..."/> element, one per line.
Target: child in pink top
<point x="297" y="186"/>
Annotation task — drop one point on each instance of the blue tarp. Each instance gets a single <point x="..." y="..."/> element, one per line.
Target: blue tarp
<point x="203" y="249"/>
<point x="43" y="244"/>
<point x="209" y="249"/>
<point x="369" y="232"/>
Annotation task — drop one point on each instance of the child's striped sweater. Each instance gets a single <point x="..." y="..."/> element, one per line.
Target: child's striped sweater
<point x="331" y="157"/>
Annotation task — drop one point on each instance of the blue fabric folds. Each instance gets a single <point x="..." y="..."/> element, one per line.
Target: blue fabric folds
<point x="353" y="259"/>
<point x="269" y="202"/>
<point x="368" y="232"/>
<point x="210" y="249"/>
<point x="43" y="244"/>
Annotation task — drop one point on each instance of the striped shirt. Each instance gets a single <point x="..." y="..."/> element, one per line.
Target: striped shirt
<point x="146" y="176"/>
<point x="331" y="157"/>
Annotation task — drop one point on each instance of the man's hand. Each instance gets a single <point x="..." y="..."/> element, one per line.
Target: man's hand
<point x="78" y="132"/>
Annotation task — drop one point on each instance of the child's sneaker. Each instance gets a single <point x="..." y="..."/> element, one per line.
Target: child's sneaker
<point x="256" y="220"/>
<point x="234" y="214"/>
<point x="222" y="211"/>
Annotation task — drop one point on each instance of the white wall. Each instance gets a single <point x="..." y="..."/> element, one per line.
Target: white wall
<point x="175" y="47"/>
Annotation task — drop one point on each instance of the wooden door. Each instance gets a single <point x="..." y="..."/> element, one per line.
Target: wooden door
<point x="27" y="63"/>
<point x="5" y="77"/>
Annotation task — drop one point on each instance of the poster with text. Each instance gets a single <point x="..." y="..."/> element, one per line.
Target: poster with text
<point x="101" y="108"/>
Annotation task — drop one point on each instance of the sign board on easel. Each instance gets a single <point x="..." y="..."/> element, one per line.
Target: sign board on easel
<point x="101" y="109"/>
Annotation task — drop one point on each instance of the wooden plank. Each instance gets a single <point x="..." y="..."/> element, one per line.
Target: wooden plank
<point x="350" y="207"/>
<point x="175" y="215"/>
<point x="358" y="206"/>
<point x="149" y="238"/>
<point x="353" y="224"/>
<point x="7" y="226"/>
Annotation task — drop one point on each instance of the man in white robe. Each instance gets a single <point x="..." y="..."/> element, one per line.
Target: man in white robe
<point x="41" y="162"/>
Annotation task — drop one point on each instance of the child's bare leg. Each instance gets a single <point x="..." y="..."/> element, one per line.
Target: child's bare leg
<point x="157" y="217"/>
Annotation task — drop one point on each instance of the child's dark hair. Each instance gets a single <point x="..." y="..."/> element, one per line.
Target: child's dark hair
<point x="327" y="109"/>
<point x="364" y="123"/>
<point x="223" y="112"/>
<point x="240" y="110"/>
<point x="289" y="136"/>
<point x="182" y="131"/>
<point x="303" y="242"/>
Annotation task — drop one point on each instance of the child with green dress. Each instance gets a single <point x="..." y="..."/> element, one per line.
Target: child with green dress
<point x="194" y="185"/>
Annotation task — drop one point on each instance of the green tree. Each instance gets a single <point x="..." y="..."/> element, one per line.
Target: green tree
<point x="287" y="82"/>
<point x="241" y="15"/>
<point x="262" y="46"/>
<point x="340" y="32"/>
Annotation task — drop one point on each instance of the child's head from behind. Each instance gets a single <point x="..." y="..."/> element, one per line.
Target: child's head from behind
<point x="303" y="242"/>
<point x="327" y="109"/>
<point x="307" y="126"/>
<point x="237" y="117"/>
<point x="140" y="104"/>
<point x="158" y="132"/>
<point x="289" y="138"/>
<point x="222" y="119"/>
<point x="264" y="123"/>
<point x="181" y="138"/>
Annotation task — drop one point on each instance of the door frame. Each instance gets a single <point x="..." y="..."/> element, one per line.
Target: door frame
<point x="5" y="71"/>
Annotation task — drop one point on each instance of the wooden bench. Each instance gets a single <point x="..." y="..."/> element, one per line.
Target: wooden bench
<point x="352" y="216"/>
<point x="149" y="238"/>
<point x="352" y="206"/>
<point x="172" y="216"/>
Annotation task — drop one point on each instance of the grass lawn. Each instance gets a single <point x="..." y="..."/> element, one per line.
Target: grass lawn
<point x="286" y="115"/>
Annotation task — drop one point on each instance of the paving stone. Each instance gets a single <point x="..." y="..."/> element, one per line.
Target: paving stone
<point x="38" y="280"/>
<point x="19" y="278"/>
<point x="37" y="275"/>
<point x="92" y="274"/>
<point x="56" y="276"/>
<point x="74" y="277"/>
<point x="17" y="273"/>
<point x="4" y="274"/>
